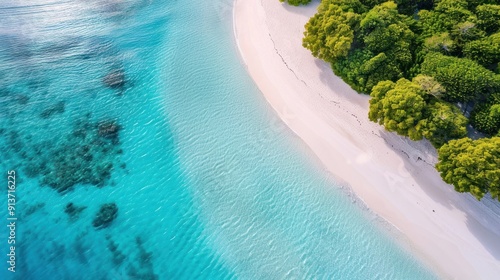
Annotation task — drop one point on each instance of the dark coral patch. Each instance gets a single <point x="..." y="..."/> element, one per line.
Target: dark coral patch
<point x="115" y="79"/>
<point x="73" y="211"/>
<point x="144" y="261"/>
<point x="107" y="213"/>
<point x="55" y="109"/>
<point x="117" y="256"/>
<point x="88" y="156"/>
<point x="108" y="129"/>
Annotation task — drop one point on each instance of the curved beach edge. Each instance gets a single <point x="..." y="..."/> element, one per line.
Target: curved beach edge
<point x="452" y="233"/>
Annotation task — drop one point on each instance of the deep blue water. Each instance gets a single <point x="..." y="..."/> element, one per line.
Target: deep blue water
<point x="145" y="104"/>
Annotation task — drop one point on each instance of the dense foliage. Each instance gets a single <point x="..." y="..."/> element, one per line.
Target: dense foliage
<point x="464" y="79"/>
<point x="411" y="109"/>
<point x="486" y="116"/>
<point x="296" y="2"/>
<point x="472" y="166"/>
<point x="420" y="60"/>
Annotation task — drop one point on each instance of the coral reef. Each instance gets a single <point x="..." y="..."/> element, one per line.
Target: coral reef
<point x="115" y="79"/>
<point x="107" y="213"/>
<point x="57" y="108"/>
<point x="108" y="129"/>
<point x="73" y="211"/>
<point x="86" y="156"/>
<point x="33" y="209"/>
<point x="117" y="256"/>
<point x="145" y="260"/>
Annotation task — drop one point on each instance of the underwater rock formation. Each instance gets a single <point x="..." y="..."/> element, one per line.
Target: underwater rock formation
<point x="33" y="209"/>
<point x="22" y="99"/>
<point x="108" y="129"/>
<point x="15" y="141"/>
<point x="144" y="261"/>
<point x="117" y="256"/>
<point x="73" y="211"/>
<point x="57" y="108"/>
<point x="107" y="213"/>
<point x="115" y="79"/>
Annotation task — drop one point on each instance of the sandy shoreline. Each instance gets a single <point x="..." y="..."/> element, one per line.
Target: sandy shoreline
<point x="457" y="236"/>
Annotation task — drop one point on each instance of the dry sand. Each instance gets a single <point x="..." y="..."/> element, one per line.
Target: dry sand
<point x="457" y="236"/>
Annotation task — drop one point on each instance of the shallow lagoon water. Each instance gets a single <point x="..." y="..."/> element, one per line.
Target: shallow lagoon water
<point x="209" y="183"/>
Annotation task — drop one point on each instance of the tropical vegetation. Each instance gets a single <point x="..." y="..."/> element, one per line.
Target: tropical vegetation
<point x="431" y="68"/>
<point x="296" y="2"/>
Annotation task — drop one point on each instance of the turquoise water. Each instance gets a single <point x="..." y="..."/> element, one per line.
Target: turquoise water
<point x="209" y="184"/>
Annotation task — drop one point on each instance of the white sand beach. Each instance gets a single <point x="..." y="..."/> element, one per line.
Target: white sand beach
<point x="457" y="236"/>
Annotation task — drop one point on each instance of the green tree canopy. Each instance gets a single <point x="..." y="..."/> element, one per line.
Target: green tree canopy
<point x="464" y="79"/>
<point x="412" y="109"/>
<point x="330" y="32"/>
<point x="485" y="116"/>
<point x="465" y="32"/>
<point x="376" y="69"/>
<point x="485" y="51"/>
<point x="445" y="15"/>
<point x="384" y="30"/>
<point x="443" y="122"/>
<point x="472" y="165"/>
<point x="417" y="58"/>
<point x="296" y="2"/>
<point x="489" y="17"/>
<point x="495" y="111"/>
<point x="441" y="42"/>
<point x="350" y="68"/>
<point x="430" y="86"/>
<point x="398" y="107"/>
